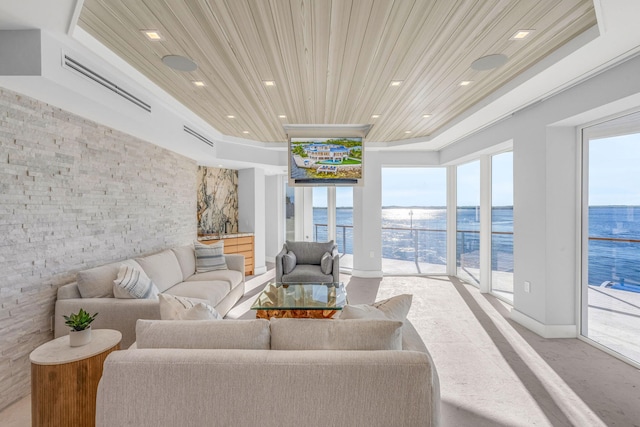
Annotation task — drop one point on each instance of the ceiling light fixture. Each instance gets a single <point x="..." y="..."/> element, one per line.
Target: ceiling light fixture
<point x="521" y="34"/>
<point x="465" y="83"/>
<point x="426" y="116"/>
<point x="375" y="116"/>
<point x="396" y="82"/>
<point x="269" y="83"/>
<point x="199" y="83"/>
<point x="245" y="131"/>
<point x="231" y="117"/>
<point x="282" y="116"/>
<point x="407" y="131"/>
<point x="153" y="35"/>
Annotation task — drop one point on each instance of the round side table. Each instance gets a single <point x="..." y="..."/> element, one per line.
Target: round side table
<point x="64" y="379"/>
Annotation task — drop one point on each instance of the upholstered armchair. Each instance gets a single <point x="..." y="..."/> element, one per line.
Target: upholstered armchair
<point x="308" y="262"/>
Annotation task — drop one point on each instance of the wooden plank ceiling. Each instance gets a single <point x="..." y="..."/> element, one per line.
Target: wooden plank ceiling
<point x="332" y="61"/>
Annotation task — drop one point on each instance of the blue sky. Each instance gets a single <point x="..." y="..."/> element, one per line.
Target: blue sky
<point x="614" y="171"/>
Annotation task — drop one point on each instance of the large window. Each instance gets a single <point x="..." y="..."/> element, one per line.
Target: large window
<point x="414" y="220"/>
<point x="611" y="236"/>
<point x="320" y="215"/>
<point x="502" y="225"/>
<point x="468" y="222"/>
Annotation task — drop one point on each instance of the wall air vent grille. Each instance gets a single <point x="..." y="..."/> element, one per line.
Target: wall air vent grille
<point x="195" y="134"/>
<point x="74" y="65"/>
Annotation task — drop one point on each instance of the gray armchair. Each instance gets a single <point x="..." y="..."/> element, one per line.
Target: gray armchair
<point x="308" y="262"/>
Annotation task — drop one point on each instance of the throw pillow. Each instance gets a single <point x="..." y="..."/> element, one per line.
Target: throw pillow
<point x="321" y="334"/>
<point x="209" y="334"/>
<point x="180" y="308"/>
<point x="210" y="257"/>
<point x="288" y="262"/>
<point x="394" y="308"/>
<point x="133" y="282"/>
<point x="326" y="263"/>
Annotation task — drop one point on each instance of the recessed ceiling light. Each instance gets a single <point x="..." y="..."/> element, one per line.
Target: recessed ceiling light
<point x="245" y="131"/>
<point x="465" y="83"/>
<point x="153" y="35"/>
<point x="521" y="34"/>
<point x="231" y="116"/>
<point x="426" y="116"/>
<point x="396" y="82"/>
<point x="407" y="131"/>
<point x="282" y="116"/>
<point x="199" y="83"/>
<point x="375" y="116"/>
<point x="269" y="83"/>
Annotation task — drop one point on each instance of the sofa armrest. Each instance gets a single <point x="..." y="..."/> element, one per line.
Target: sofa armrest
<point x="235" y="262"/>
<point x="113" y="313"/>
<point x="69" y="291"/>
<point x="279" y="268"/>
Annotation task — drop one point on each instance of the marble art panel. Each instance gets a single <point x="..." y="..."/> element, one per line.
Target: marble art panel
<point x="217" y="200"/>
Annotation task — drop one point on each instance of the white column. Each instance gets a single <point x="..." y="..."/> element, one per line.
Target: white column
<point x="485" y="224"/>
<point x="451" y="220"/>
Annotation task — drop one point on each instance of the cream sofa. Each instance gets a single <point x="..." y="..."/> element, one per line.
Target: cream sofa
<point x="172" y="270"/>
<point x="252" y="377"/>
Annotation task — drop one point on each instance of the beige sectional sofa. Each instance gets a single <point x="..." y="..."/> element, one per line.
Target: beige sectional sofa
<point x="283" y="372"/>
<point x="173" y="271"/>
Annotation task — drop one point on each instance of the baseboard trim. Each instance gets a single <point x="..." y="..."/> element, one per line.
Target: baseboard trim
<point x="545" y="331"/>
<point x="367" y="274"/>
<point x="259" y="270"/>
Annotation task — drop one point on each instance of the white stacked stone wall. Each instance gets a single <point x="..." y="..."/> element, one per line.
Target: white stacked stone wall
<point x="74" y="195"/>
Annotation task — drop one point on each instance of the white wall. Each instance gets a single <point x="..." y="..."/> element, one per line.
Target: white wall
<point x="546" y="191"/>
<point x="274" y="215"/>
<point x="251" y="212"/>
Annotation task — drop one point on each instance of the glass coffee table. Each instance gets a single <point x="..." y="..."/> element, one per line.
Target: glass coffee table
<point x="300" y="300"/>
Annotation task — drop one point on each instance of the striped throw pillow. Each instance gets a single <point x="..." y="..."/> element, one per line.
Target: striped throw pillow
<point x="173" y="307"/>
<point x="133" y="282"/>
<point x="210" y="257"/>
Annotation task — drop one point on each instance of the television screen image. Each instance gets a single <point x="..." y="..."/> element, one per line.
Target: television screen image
<point x="325" y="161"/>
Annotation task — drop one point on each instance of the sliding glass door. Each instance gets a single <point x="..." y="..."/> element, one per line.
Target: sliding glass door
<point x="611" y="235"/>
<point x="502" y="225"/>
<point x="468" y="222"/>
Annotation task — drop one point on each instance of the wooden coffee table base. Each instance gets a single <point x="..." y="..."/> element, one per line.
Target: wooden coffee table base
<point x="296" y="314"/>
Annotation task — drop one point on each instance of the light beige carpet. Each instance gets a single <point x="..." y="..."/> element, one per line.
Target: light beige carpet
<point x="493" y="372"/>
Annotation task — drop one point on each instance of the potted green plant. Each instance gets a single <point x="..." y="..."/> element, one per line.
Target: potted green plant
<point x="80" y="324"/>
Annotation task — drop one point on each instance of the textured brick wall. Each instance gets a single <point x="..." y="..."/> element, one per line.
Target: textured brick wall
<point x="74" y="194"/>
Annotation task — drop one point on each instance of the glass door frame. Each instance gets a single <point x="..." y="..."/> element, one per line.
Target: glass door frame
<point x="584" y="134"/>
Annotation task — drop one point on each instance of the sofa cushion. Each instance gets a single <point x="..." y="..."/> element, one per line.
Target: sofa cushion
<point x="288" y="262"/>
<point x="394" y="308"/>
<point x="322" y="334"/>
<point x="307" y="273"/>
<point x="309" y="252"/>
<point x="98" y="282"/>
<point x="187" y="259"/>
<point x="163" y="268"/>
<point x="132" y="282"/>
<point x="212" y="291"/>
<point x="181" y="308"/>
<point x="204" y="334"/>
<point x="233" y="277"/>
<point x="326" y="263"/>
<point x="210" y="257"/>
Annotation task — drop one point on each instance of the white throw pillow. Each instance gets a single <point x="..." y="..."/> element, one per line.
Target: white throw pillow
<point x="210" y="257"/>
<point x="180" y="308"/>
<point x="394" y="308"/>
<point x="133" y="282"/>
<point x="322" y="334"/>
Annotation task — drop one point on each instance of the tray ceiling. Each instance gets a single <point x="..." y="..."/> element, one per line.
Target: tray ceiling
<point x="333" y="62"/>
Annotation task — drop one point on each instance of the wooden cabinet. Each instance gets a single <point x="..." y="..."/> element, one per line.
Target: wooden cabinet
<point x="241" y="243"/>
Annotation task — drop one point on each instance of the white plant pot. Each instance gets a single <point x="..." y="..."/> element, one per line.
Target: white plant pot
<point x="79" y="338"/>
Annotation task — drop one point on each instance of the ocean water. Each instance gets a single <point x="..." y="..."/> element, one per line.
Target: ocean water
<point x="418" y="234"/>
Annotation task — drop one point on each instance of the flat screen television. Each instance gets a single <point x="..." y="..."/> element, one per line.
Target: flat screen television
<point x="325" y="161"/>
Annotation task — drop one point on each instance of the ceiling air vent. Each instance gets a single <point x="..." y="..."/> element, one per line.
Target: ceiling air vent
<point x="74" y="65"/>
<point x="195" y="134"/>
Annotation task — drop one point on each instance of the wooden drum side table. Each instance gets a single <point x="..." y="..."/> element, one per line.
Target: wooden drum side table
<point x="64" y="379"/>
